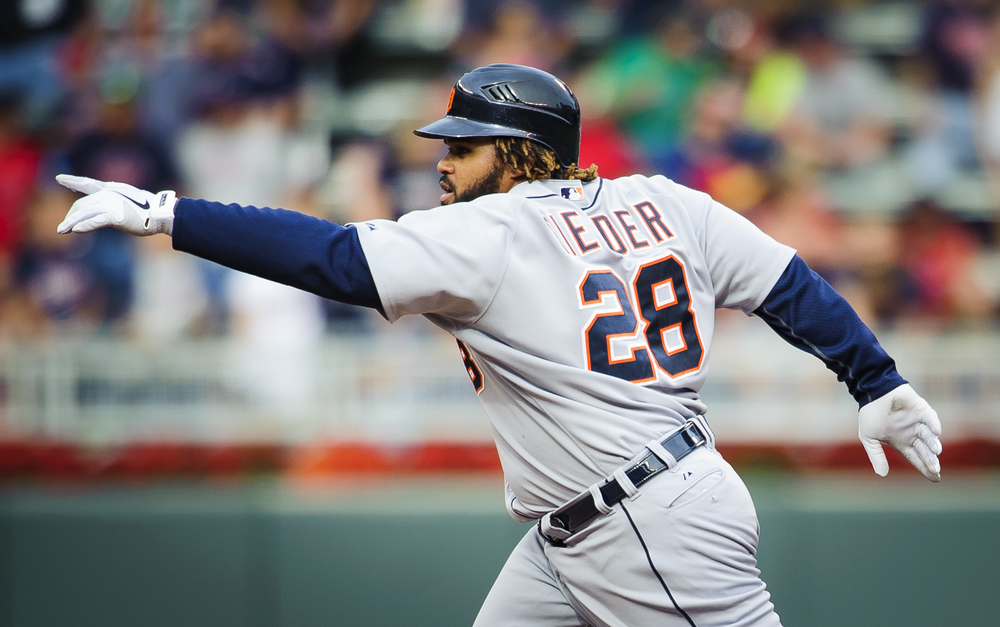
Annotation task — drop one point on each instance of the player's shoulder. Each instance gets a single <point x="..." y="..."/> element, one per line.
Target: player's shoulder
<point x="656" y="183"/>
<point x="661" y="190"/>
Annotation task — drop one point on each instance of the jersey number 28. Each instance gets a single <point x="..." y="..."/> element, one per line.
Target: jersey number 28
<point x="669" y="332"/>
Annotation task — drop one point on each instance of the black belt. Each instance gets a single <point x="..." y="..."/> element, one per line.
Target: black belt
<point x="572" y="516"/>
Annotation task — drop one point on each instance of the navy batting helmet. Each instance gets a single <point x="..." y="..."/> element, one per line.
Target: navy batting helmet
<point x="505" y="100"/>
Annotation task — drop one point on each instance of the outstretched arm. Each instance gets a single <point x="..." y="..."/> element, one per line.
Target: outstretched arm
<point x="808" y="313"/>
<point x="284" y="246"/>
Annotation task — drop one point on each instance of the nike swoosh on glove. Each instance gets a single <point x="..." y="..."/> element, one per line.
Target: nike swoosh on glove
<point x="119" y="205"/>
<point x="904" y="421"/>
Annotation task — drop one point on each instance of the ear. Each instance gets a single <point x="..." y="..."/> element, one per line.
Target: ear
<point x="511" y="177"/>
<point x="515" y="174"/>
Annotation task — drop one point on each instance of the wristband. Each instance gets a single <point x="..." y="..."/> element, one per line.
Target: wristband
<point x="161" y="214"/>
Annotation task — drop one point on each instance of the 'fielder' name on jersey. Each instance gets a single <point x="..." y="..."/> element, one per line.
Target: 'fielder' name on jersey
<point x="620" y="231"/>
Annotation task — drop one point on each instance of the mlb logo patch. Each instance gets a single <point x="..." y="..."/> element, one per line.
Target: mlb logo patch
<point x="572" y="193"/>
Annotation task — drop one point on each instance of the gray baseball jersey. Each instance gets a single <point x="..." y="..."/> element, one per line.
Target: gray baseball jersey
<point x="584" y="313"/>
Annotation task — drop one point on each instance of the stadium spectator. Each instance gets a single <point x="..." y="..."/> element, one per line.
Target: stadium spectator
<point x="327" y="37"/>
<point x="649" y="84"/>
<point x="602" y="138"/>
<point x="20" y="160"/>
<point x="988" y="108"/>
<point x="160" y="51"/>
<point x="237" y="146"/>
<point x="52" y="279"/>
<point x="775" y="78"/>
<point x="244" y="144"/>
<point x="315" y="31"/>
<point x="171" y="300"/>
<point x="799" y="213"/>
<point x="954" y="44"/>
<point x="842" y="118"/>
<point x="117" y="146"/>
<point x="941" y="256"/>
<point x="721" y="155"/>
<point x="32" y="35"/>
<point x="518" y="33"/>
<point x="118" y="150"/>
<point x="357" y="186"/>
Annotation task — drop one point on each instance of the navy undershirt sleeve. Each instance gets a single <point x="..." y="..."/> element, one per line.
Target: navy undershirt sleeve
<point x="284" y="246"/>
<point x="808" y="313"/>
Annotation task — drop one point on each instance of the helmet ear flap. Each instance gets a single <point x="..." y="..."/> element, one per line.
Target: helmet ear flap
<point x="506" y="100"/>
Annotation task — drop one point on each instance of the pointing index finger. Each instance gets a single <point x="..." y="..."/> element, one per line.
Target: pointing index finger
<point x="80" y="184"/>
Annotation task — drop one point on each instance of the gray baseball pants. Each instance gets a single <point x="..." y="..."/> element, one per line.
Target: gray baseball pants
<point x="681" y="552"/>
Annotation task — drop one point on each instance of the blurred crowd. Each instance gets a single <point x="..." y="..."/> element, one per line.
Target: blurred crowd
<point x="865" y="136"/>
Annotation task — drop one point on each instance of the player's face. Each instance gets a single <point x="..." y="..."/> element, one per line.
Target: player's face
<point x="471" y="169"/>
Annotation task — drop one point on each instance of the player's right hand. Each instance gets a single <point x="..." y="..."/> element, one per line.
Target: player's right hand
<point x="904" y="421"/>
<point x="119" y="205"/>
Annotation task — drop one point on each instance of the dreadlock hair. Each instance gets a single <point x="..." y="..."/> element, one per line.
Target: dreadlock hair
<point x="539" y="162"/>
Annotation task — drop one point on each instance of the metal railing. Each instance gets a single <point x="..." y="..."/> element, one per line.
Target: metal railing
<point x="403" y="388"/>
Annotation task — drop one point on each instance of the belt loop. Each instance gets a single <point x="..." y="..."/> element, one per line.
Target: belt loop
<point x="630" y="490"/>
<point x="551" y="532"/>
<point x="602" y="507"/>
<point x="702" y="424"/>
<point x="657" y="449"/>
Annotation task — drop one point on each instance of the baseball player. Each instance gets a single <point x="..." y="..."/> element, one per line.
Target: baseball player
<point x="584" y="310"/>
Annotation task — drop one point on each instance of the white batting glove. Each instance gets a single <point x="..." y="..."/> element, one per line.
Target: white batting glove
<point x="119" y="205"/>
<point x="904" y="421"/>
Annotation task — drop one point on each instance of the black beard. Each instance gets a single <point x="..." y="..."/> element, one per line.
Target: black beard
<point x="489" y="184"/>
